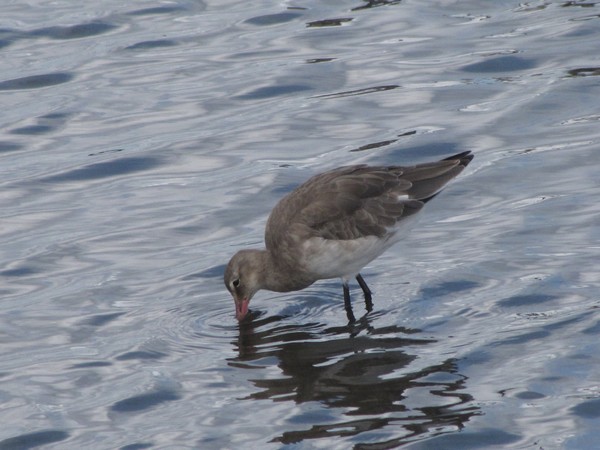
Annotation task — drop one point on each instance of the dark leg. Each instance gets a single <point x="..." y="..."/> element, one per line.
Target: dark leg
<point x="348" y="303"/>
<point x="363" y="285"/>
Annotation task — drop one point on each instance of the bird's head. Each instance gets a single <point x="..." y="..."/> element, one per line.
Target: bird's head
<point x="243" y="279"/>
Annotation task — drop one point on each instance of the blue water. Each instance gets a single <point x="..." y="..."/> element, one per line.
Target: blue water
<point x="143" y="143"/>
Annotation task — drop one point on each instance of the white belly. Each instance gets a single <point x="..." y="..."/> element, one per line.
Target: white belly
<point x="326" y="258"/>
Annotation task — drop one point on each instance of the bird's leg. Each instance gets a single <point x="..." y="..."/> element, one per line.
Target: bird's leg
<point x="348" y="303"/>
<point x="366" y="291"/>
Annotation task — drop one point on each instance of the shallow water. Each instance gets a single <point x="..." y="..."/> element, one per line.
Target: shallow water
<point x="144" y="144"/>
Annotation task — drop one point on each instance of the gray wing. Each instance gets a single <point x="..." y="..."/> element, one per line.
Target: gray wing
<point x="366" y="201"/>
<point x="345" y="203"/>
<point x="357" y="201"/>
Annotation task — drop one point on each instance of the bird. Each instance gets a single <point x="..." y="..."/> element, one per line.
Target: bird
<point x="333" y="225"/>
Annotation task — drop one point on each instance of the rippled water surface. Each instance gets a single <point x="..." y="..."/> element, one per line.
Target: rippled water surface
<point x="143" y="143"/>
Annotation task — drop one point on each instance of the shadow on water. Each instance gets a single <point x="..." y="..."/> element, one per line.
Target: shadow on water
<point x="361" y="375"/>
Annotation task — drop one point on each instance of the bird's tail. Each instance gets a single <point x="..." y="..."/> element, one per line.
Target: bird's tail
<point x="430" y="178"/>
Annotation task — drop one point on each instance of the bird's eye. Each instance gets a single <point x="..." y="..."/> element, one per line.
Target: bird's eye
<point x="235" y="283"/>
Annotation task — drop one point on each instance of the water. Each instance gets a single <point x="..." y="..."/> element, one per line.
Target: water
<point x="142" y="144"/>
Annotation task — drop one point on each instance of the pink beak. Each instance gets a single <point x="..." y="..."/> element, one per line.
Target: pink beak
<point x="241" y="308"/>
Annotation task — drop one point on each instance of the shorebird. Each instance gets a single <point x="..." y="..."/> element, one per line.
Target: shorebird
<point x="333" y="225"/>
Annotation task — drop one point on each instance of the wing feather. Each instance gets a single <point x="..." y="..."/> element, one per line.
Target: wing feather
<point x="357" y="201"/>
<point x="346" y="203"/>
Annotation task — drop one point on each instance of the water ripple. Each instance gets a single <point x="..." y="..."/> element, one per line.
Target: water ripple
<point x="36" y="81"/>
<point x="144" y="144"/>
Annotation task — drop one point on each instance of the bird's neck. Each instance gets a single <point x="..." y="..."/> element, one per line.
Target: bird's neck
<point x="276" y="275"/>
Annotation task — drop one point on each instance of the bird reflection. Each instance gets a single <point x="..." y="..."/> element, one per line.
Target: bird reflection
<point x="361" y="370"/>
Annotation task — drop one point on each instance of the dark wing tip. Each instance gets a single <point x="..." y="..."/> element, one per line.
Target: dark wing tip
<point x="465" y="158"/>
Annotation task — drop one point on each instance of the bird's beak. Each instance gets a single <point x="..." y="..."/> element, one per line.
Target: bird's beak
<point x="241" y="308"/>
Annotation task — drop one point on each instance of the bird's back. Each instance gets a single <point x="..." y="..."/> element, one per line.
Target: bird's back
<point x="357" y="201"/>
